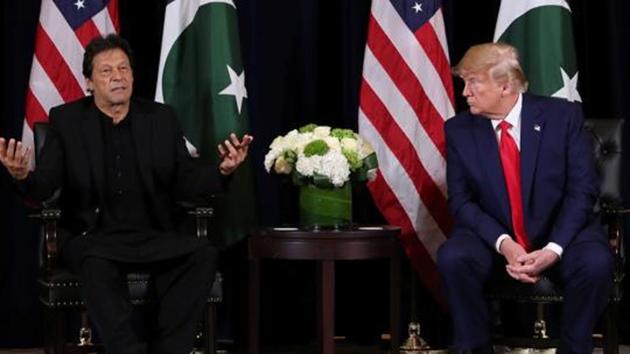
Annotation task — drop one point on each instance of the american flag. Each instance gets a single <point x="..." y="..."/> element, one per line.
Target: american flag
<point x="65" y="27"/>
<point x="406" y="95"/>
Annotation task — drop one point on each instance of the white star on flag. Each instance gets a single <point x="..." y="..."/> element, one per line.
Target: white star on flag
<point x="417" y="7"/>
<point x="236" y="87"/>
<point x="80" y="4"/>
<point x="569" y="90"/>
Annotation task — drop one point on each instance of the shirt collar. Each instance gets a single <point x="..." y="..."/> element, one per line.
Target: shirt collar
<point x="513" y="117"/>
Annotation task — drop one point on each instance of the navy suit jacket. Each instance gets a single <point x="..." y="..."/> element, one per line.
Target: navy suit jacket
<point x="559" y="183"/>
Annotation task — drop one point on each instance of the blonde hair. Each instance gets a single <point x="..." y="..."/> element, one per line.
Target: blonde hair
<point x="499" y="60"/>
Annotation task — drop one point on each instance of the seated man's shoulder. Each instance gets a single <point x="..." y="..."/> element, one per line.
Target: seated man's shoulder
<point x="461" y="120"/>
<point x="551" y="102"/>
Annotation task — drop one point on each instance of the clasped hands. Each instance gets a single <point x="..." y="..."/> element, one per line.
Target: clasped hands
<point x="15" y="157"/>
<point x="232" y="152"/>
<point x="523" y="266"/>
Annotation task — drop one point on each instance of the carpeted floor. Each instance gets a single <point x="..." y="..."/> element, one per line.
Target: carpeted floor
<point x="341" y="349"/>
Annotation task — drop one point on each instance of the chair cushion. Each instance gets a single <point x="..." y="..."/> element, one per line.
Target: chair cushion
<point x="62" y="289"/>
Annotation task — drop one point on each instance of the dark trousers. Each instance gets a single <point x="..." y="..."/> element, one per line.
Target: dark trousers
<point x="181" y="287"/>
<point x="466" y="263"/>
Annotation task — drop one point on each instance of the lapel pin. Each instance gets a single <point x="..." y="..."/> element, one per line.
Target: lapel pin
<point x="537" y="127"/>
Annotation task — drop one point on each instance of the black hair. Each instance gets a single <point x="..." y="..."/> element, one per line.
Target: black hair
<point x="102" y="44"/>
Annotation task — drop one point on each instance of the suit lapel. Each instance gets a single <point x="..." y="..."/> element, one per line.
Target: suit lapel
<point x="93" y="140"/>
<point x="142" y="130"/>
<point x="491" y="162"/>
<point x="532" y="125"/>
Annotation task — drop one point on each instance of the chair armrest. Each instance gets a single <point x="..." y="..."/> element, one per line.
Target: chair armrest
<point x="203" y="218"/>
<point x="49" y="218"/>
<point x="614" y="219"/>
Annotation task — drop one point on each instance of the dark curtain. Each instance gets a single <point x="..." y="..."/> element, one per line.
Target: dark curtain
<point x="303" y="61"/>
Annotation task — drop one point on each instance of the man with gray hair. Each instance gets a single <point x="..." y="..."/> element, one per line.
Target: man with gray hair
<point x="521" y="187"/>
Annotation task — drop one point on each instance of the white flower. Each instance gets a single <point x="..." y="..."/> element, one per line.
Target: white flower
<point x="335" y="166"/>
<point x="282" y="166"/>
<point x="321" y="131"/>
<point x="364" y="148"/>
<point x="306" y="166"/>
<point x="349" y="144"/>
<point x="333" y="143"/>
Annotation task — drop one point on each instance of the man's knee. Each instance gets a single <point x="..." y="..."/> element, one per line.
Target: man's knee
<point x="599" y="266"/>
<point x="450" y="258"/>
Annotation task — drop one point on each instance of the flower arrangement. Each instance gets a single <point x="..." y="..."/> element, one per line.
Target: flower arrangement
<point x="322" y="156"/>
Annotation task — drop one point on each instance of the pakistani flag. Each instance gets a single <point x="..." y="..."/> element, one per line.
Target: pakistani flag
<point x="202" y="77"/>
<point x="541" y="30"/>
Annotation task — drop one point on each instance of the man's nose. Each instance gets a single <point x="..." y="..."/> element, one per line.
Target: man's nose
<point x="466" y="91"/>
<point x="116" y="74"/>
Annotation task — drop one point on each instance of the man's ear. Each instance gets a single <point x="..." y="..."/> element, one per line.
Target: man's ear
<point x="507" y="88"/>
<point x="89" y="85"/>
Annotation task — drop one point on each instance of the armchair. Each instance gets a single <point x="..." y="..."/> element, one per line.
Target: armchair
<point x="607" y="144"/>
<point x="60" y="290"/>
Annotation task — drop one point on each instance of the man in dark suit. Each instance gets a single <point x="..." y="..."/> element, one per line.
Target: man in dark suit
<point x="122" y="165"/>
<point x="521" y="187"/>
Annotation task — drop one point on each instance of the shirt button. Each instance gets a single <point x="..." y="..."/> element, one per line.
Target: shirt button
<point x="118" y="157"/>
<point x="119" y="174"/>
<point x="119" y="192"/>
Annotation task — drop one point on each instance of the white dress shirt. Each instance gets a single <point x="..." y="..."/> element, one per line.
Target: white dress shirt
<point x="514" y="118"/>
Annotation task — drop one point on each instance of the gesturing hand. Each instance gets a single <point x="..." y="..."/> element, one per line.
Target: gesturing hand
<point x="15" y="157"/>
<point x="233" y="152"/>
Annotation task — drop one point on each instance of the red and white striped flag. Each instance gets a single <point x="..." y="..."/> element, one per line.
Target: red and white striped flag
<point x="406" y="95"/>
<point x="64" y="29"/>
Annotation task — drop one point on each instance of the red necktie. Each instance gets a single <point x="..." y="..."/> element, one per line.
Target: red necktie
<point x="511" y="162"/>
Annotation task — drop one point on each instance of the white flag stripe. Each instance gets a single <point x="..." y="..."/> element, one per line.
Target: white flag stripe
<point x="414" y="55"/>
<point x="511" y="10"/>
<point x="64" y="38"/>
<point x="179" y="14"/>
<point x="43" y="88"/>
<point x="401" y="185"/>
<point x="437" y="22"/>
<point x="405" y="117"/>
<point x="103" y="22"/>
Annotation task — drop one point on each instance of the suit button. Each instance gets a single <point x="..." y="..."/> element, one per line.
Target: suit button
<point x="97" y="210"/>
<point x="84" y="233"/>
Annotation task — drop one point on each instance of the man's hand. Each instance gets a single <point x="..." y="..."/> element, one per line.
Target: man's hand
<point x="533" y="264"/>
<point x="513" y="253"/>
<point x="15" y="157"/>
<point x="233" y="152"/>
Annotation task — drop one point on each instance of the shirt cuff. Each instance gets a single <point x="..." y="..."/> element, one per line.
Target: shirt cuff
<point x="501" y="238"/>
<point x="555" y="248"/>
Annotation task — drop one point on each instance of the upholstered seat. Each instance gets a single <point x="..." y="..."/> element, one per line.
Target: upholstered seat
<point x="60" y="289"/>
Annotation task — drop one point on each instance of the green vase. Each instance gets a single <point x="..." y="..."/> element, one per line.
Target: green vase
<point x="325" y="208"/>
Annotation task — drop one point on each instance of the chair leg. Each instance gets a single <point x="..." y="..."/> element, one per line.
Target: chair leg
<point x="54" y="331"/>
<point x="540" y="325"/>
<point x="610" y="340"/>
<point x="210" y="329"/>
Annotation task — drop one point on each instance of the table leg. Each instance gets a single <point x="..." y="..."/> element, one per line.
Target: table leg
<point x="326" y="306"/>
<point x="254" y="302"/>
<point x="394" y="301"/>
